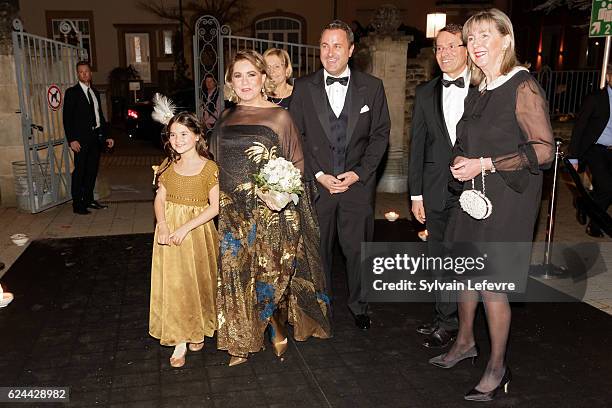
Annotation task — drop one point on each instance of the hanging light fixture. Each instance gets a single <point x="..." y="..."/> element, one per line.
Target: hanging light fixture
<point x="435" y="22"/>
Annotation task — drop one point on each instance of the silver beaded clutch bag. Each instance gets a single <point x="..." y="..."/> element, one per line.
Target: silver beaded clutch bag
<point x="475" y="202"/>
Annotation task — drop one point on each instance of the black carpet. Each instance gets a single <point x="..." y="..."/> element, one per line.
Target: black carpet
<point x="80" y="319"/>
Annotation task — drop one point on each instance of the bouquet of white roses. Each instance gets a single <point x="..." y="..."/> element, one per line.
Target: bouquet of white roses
<point x="279" y="182"/>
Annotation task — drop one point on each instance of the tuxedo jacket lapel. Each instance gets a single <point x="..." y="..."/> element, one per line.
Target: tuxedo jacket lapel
<point x="355" y="99"/>
<point x="439" y="111"/>
<point x="82" y="96"/>
<point x="319" y="100"/>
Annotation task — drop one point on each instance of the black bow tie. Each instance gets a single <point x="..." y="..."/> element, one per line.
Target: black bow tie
<point x="458" y="82"/>
<point x="342" y="81"/>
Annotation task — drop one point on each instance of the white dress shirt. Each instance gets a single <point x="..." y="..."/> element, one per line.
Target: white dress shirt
<point x="452" y="103"/>
<point x="336" y="92"/>
<point x="85" y="88"/>
<point x="453" y="98"/>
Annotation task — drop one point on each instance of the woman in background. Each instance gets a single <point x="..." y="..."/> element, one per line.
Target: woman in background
<point x="278" y="65"/>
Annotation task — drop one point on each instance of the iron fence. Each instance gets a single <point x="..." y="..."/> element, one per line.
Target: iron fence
<point x="44" y="70"/>
<point x="566" y="90"/>
<point x="304" y="58"/>
<point x="214" y="46"/>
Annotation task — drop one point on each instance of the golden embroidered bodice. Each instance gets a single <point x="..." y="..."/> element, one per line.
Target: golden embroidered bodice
<point x="190" y="190"/>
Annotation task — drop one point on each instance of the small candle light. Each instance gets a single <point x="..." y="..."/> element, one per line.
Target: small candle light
<point x="5" y="298"/>
<point x="391" y="216"/>
<point x="19" y="239"/>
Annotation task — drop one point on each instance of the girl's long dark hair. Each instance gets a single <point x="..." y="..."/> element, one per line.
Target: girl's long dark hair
<point x="191" y="122"/>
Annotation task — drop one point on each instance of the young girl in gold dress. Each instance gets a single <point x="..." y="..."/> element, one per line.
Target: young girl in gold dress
<point x="186" y="245"/>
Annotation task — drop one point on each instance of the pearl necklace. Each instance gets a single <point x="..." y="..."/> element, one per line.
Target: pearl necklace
<point x="280" y="100"/>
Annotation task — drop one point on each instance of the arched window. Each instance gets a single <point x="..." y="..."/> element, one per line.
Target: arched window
<point x="285" y="29"/>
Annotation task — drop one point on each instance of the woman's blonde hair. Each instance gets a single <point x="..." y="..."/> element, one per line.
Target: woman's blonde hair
<point x="498" y="19"/>
<point x="258" y="62"/>
<point x="283" y="56"/>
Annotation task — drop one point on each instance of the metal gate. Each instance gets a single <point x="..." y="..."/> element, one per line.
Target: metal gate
<point x="566" y="90"/>
<point x="44" y="69"/>
<point x="214" y="45"/>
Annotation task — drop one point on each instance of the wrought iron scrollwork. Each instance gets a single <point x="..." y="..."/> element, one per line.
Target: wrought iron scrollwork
<point x="208" y="55"/>
<point x="17" y="25"/>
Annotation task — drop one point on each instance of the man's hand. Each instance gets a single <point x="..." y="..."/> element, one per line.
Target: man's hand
<point x="418" y="210"/>
<point x="332" y="184"/>
<point x="348" y="179"/>
<point x="110" y="143"/>
<point x="75" y="146"/>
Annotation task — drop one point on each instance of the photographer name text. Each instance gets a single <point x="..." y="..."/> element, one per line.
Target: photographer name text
<point x="432" y="286"/>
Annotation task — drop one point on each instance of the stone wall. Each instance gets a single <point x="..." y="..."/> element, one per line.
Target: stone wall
<point x="11" y="142"/>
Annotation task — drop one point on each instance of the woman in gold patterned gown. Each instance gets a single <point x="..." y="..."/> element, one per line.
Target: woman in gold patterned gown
<point x="270" y="270"/>
<point x="186" y="244"/>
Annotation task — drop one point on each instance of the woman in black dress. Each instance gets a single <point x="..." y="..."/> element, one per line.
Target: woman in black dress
<point x="506" y="130"/>
<point x="278" y="65"/>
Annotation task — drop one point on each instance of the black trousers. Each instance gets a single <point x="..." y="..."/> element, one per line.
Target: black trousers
<point x="599" y="160"/>
<point x="348" y="216"/>
<point x="446" y="301"/>
<point x="84" y="175"/>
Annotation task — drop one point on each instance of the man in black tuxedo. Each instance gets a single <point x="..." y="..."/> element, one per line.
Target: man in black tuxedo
<point x="343" y="117"/>
<point x="591" y="144"/>
<point x="86" y="132"/>
<point x="438" y="106"/>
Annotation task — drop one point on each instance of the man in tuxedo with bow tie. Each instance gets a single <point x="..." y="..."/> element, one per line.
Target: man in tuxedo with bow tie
<point x="86" y="132"/>
<point x="343" y="117"/>
<point x="438" y="107"/>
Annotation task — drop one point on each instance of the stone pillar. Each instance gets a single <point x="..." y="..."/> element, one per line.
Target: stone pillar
<point x="388" y="62"/>
<point x="11" y="142"/>
<point x="418" y="71"/>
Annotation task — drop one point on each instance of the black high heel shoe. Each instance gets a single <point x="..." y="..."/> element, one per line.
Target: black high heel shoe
<point x="475" y="395"/>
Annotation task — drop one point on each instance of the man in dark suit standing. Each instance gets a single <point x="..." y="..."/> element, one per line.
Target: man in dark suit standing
<point x="86" y="132"/>
<point x="343" y="117"/>
<point x="591" y="145"/>
<point x="438" y="106"/>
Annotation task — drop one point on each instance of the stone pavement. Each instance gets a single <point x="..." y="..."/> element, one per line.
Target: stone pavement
<point x="80" y="317"/>
<point x="81" y="321"/>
